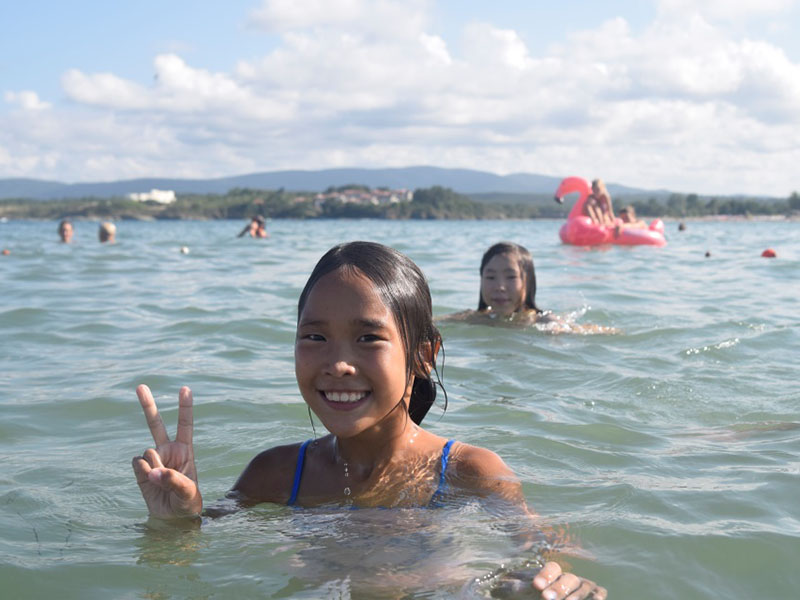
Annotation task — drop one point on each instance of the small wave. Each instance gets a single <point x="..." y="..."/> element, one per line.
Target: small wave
<point x="721" y="346"/>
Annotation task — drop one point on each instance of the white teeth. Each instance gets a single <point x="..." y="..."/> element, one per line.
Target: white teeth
<point x="345" y="396"/>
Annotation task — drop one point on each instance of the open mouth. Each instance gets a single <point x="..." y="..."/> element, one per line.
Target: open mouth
<point x="344" y="397"/>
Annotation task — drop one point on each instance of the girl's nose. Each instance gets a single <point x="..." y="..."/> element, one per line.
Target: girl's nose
<point x="341" y="368"/>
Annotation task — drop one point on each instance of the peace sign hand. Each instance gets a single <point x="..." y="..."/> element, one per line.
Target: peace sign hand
<point x="167" y="475"/>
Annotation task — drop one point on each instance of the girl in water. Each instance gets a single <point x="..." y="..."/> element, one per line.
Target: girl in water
<point x="508" y="295"/>
<point x="365" y="355"/>
<point x="508" y="289"/>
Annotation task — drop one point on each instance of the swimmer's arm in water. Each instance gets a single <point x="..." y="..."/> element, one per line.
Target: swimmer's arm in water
<point x="464" y="315"/>
<point x="483" y="473"/>
<point x="166" y="474"/>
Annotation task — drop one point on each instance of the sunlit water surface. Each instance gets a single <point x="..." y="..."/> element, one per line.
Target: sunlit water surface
<point x="669" y="452"/>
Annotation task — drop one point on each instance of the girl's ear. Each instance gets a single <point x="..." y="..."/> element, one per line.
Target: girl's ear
<point x="426" y="357"/>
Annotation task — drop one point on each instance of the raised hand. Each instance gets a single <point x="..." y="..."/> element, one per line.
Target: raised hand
<point x="557" y="585"/>
<point x="167" y="476"/>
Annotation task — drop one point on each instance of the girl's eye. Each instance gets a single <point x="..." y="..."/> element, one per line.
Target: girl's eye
<point x="313" y="337"/>
<point x="369" y="337"/>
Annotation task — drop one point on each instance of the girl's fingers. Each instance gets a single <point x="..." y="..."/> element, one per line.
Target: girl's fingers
<point x="141" y="468"/>
<point x="176" y="482"/>
<point x="153" y="459"/>
<point x="563" y="586"/>
<point x="154" y="422"/>
<point x="185" y="416"/>
<point x="549" y="573"/>
<point x="588" y="590"/>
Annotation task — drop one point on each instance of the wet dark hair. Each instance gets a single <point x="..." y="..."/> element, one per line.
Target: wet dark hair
<point x="404" y="290"/>
<point x="525" y="261"/>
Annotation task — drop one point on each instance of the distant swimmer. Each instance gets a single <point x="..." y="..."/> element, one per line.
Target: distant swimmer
<point x="507" y="294"/>
<point x="257" y="228"/>
<point x="507" y="288"/>
<point x="65" y="231"/>
<point x="107" y="233"/>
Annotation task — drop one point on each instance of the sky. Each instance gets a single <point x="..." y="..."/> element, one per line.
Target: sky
<point x="695" y="96"/>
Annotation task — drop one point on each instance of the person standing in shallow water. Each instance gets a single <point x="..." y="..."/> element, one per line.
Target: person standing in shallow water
<point x="365" y="361"/>
<point x="66" y="231"/>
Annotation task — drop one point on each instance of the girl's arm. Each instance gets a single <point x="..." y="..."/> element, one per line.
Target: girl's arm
<point x="483" y="473"/>
<point x="609" y="211"/>
<point x="594" y="212"/>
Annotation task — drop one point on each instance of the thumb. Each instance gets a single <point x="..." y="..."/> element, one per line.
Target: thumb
<point x="173" y="481"/>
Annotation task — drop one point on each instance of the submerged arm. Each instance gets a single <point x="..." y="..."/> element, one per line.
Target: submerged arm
<point x="483" y="473"/>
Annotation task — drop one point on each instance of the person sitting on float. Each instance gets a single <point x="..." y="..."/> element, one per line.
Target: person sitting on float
<point x="628" y="217"/>
<point x="598" y="205"/>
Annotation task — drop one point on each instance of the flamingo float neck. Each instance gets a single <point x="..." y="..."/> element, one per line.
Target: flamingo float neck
<point x="569" y="186"/>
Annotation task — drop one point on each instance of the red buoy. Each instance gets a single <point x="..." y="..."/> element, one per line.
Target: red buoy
<point x="769" y="253"/>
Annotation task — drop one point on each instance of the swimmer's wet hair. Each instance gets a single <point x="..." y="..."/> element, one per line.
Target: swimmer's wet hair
<point x="525" y="261"/>
<point x="404" y="290"/>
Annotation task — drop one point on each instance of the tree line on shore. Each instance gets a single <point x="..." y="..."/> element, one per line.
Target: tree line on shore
<point x="428" y="203"/>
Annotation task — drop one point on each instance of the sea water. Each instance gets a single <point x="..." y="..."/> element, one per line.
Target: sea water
<point x="668" y="454"/>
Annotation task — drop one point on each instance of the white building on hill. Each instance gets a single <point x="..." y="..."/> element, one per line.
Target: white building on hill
<point x="160" y="196"/>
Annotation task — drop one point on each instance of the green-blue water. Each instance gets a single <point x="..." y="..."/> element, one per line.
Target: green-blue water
<point x="671" y="452"/>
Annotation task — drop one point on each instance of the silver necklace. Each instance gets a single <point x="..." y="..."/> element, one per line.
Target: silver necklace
<point x="346" y="479"/>
<point x="347" y="491"/>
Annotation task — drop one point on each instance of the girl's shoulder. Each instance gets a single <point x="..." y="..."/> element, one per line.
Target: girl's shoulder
<point x="477" y="462"/>
<point x="269" y="475"/>
<point x="482" y="472"/>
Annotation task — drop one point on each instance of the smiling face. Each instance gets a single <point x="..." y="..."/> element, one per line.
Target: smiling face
<point x="349" y="356"/>
<point x="503" y="285"/>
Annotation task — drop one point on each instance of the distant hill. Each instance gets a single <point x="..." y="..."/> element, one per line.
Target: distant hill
<point x="464" y="181"/>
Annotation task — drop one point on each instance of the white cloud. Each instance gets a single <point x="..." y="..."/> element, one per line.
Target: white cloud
<point x="376" y="18"/>
<point x="178" y="88"/>
<point x="725" y="10"/>
<point x="27" y="100"/>
<point x="103" y="89"/>
<point x="683" y="103"/>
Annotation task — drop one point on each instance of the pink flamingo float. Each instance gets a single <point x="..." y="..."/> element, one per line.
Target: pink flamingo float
<point x="581" y="231"/>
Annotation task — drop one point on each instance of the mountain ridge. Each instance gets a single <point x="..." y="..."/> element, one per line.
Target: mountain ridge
<point x="464" y="181"/>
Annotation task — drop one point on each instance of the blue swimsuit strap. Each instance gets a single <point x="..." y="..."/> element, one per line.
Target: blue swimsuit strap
<point x="298" y="472"/>
<point x="445" y="459"/>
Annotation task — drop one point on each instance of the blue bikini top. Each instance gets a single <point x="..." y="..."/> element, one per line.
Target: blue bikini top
<point x="301" y="459"/>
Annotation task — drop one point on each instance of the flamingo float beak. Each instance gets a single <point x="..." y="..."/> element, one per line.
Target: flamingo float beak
<point x="559" y="199"/>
